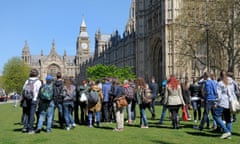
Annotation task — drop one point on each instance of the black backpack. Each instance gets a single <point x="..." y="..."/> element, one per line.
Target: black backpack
<point x="28" y="90"/>
<point x="58" y="90"/>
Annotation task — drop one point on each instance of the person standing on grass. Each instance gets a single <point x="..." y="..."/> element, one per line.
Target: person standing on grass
<point x="225" y="89"/>
<point x="83" y="89"/>
<point x="58" y="98"/>
<point x="119" y="112"/>
<point x="186" y="96"/>
<point x="46" y="105"/>
<point x="154" y="91"/>
<point x="196" y="96"/>
<point x="139" y="89"/>
<point x="30" y="105"/>
<point x="106" y="88"/>
<point x="96" y="108"/>
<point x="69" y="96"/>
<point x="209" y="91"/>
<point x="174" y="100"/>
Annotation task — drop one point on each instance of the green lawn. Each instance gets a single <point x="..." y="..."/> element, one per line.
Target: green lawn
<point x="10" y="133"/>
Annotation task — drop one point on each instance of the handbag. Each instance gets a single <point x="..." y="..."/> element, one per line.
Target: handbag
<point x="233" y="102"/>
<point x="83" y="97"/>
<point x="184" y="113"/>
<point x="121" y="102"/>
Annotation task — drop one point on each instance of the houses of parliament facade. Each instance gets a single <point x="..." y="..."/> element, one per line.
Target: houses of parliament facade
<point x="148" y="45"/>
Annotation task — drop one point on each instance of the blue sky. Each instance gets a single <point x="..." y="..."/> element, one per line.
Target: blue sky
<point x="41" y="21"/>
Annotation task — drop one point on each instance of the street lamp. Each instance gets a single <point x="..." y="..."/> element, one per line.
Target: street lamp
<point x="207" y="46"/>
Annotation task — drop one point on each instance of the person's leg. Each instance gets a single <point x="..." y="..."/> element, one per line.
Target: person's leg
<point x="164" y="109"/>
<point x="90" y="118"/>
<point x="98" y="118"/>
<point x="50" y="113"/>
<point x="227" y="116"/>
<point x="217" y="115"/>
<point x="194" y="105"/>
<point x="144" y="116"/>
<point x="31" y="116"/>
<point x="129" y="112"/>
<point x="66" y="115"/>
<point x="153" y="108"/>
<point x="40" y="121"/>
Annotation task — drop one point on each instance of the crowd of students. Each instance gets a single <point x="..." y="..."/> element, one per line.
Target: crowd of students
<point x="67" y="98"/>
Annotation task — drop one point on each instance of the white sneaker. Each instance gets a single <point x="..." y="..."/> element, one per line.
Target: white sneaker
<point x="68" y="128"/>
<point x="225" y="135"/>
<point x="74" y="125"/>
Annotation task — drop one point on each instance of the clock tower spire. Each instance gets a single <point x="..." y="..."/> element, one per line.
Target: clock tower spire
<point x="83" y="44"/>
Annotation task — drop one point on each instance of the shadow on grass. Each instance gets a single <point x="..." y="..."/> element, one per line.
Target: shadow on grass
<point x="161" y="142"/>
<point x="198" y="133"/>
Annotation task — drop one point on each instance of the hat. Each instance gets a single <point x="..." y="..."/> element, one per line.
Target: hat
<point x="49" y="78"/>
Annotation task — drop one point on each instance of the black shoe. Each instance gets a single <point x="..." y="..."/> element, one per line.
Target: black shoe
<point x="38" y="131"/>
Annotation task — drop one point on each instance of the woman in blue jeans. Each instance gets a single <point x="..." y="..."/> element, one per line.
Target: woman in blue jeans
<point x="140" y="86"/>
<point x="225" y="88"/>
<point x="69" y="94"/>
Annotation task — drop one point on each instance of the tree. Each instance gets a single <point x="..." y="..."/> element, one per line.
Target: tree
<point x="15" y="73"/>
<point x="100" y="71"/>
<point x="211" y="27"/>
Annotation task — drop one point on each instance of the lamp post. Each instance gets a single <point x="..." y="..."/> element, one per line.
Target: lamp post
<point x="207" y="46"/>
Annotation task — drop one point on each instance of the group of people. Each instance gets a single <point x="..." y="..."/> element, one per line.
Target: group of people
<point x="208" y="91"/>
<point x="68" y="97"/>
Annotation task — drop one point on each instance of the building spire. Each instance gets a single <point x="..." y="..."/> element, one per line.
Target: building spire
<point x="53" y="44"/>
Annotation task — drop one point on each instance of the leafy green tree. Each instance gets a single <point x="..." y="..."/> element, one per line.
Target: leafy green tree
<point x="15" y="73"/>
<point x="100" y="71"/>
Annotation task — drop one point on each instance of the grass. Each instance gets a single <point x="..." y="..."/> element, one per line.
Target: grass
<point x="10" y="132"/>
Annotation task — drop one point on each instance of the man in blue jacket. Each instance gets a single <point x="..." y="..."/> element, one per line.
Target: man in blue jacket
<point x="106" y="89"/>
<point x="210" y="96"/>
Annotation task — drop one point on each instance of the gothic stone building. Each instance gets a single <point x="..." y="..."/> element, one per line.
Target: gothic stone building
<point x="148" y="43"/>
<point x="53" y="62"/>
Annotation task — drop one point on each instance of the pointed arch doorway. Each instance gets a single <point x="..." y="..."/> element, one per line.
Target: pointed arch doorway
<point x="53" y="69"/>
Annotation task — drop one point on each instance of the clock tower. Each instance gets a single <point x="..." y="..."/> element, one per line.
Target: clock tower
<point x="83" y="44"/>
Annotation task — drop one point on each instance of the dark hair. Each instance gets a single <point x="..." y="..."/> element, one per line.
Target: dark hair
<point x="33" y="73"/>
<point x="59" y="75"/>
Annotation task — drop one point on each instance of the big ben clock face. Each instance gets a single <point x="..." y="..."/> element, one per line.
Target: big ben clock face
<point x="84" y="45"/>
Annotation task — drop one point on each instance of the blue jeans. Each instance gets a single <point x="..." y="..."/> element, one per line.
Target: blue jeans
<point x="164" y="110"/>
<point x="29" y="112"/>
<point x="143" y="116"/>
<point x="209" y="105"/>
<point x="67" y="111"/>
<point x="90" y="117"/>
<point x="49" y="113"/>
<point x="217" y="115"/>
<point x="60" y="114"/>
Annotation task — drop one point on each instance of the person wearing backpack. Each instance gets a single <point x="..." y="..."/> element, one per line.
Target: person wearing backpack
<point x="139" y="90"/>
<point x="46" y="105"/>
<point x="83" y="89"/>
<point x="29" y="104"/>
<point x="119" y="92"/>
<point x="93" y="107"/>
<point x="58" y="98"/>
<point x="129" y="93"/>
<point x="69" y="96"/>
